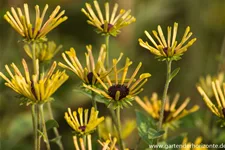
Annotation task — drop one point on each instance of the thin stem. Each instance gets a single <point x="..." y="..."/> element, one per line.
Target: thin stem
<point x="107" y="50"/>
<point x="119" y="128"/>
<point x="34" y="57"/>
<point x="169" y="62"/>
<point x="38" y="127"/>
<point x="56" y="132"/>
<point x="94" y="104"/>
<point x="44" y="130"/>
<point x="34" y="120"/>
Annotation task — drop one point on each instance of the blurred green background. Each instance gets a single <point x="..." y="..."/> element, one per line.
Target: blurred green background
<point x="206" y="19"/>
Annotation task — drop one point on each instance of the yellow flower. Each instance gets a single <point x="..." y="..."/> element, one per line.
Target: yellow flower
<point x="80" y="123"/>
<point x="80" y="145"/>
<point x="198" y="143"/>
<point x="153" y="106"/>
<point x="165" y="48"/>
<point x="21" y="22"/>
<point x="107" y="127"/>
<point x="206" y="82"/>
<point x="44" y="51"/>
<point x="37" y="89"/>
<point x="218" y="109"/>
<point x="109" y="144"/>
<point x="107" y="24"/>
<point x="86" y="73"/>
<point x="120" y="92"/>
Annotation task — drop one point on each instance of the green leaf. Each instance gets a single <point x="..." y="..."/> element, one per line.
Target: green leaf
<point x="154" y="134"/>
<point x="174" y="73"/>
<point x="147" y="128"/>
<point x="51" y="124"/>
<point x="88" y="93"/>
<point x="56" y="139"/>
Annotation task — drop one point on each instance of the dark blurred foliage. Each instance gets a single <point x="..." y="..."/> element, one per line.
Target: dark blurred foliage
<point x="206" y="19"/>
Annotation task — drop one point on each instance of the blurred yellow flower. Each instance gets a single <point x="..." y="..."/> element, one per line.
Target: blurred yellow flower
<point x="206" y="82"/>
<point x="165" y="48"/>
<point x="107" y="127"/>
<point x="120" y="92"/>
<point x="81" y="123"/>
<point x="44" y="51"/>
<point x="110" y="144"/>
<point x="219" y="93"/>
<point x="37" y="89"/>
<point x="153" y="105"/>
<point x="189" y="146"/>
<point x="107" y="24"/>
<point x="21" y="22"/>
<point x="81" y="145"/>
<point x="92" y="65"/>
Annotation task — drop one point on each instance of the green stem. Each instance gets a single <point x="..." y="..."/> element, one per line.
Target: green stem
<point x="38" y="127"/>
<point x="94" y="104"/>
<point x="169" y="62"/>
<point x="50" y="112"/>
<point x="107" y="50"/>
<point x="34" y="120"/>
<point x="119" y="128"/>
<point x="34" y="57"/>
<point x="56" y="132"/>
<point x="44" y="130"/>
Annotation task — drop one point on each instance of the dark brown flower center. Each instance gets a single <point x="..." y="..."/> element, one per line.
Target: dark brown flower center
<point x="166" y="114"/>
<point x="90" y="77"/>
<point x="82" y="128"/>
<point x="165" y="50"/>
<point x="33" y="89"/>
<point x="108" y="28"/>
<point x="223" y="110"/>
<point x="124" y="91"/>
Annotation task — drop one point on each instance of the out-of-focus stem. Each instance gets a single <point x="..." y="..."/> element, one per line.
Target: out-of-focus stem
<point x="107" y="50"/>
<point x="43" y="126"/>
<point x="56" y="132"/>
<point x="35" y="126"/>
<point x="119" y="128"/>
<point x="169" y="62"/>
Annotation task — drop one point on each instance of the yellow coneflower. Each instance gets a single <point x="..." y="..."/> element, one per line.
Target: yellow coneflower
<point x="153" y="105"/>
<point x="79" y="144"/>
<point x="120" y="92"/>
<point x="36" y="89"/>
<point x="44" y="51"/>
<point x="198" y="143"/>
<point x="107" y="127"/>
<point x="92" y="65"/>
<point x="110" y="144"/>
<point x="107" y="24"/>
<point x="81" y="123"/>
<point x="219" y="94"/>
<point x="168" y="48"/>
<point x="21" y="22"/>
<point x="206" y="82"/>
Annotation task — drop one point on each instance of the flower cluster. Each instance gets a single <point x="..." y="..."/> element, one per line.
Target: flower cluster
<point x="108" y="24"/>
<point x="31" y="32"/>
<point x="121" y="92"/>
<point x="86" y="74"/>
<point x="81" y="123"/>
<point x="219" y="93"/>
<point x="153" y="105"/>
<point x="37" y="88"/>
<point x="44" y="51"/>
<point x="168" y="48"/>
